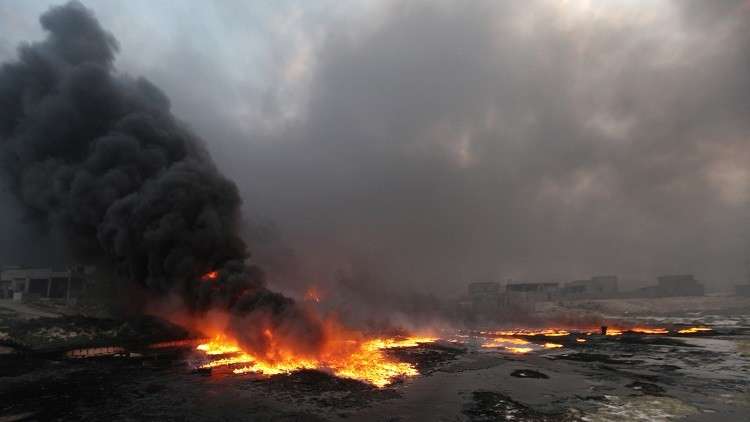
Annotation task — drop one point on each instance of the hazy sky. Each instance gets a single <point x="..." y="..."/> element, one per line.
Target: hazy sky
<point x="433" y="143"/>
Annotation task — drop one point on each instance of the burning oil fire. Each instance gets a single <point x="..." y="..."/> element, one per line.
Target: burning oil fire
<point x="694" y="330"/>
<point x="511" y="344"/>
<point x="503" y="342"/>
<point x="549" y="332"/>
<point x="365" y="359"/>
<point x="361" y="360"/>
<point x="515" y="340"/>
<point x="611" y="331"/>
<point x="646" y="330"/>
<point x="519" y="350"/>
<point x="618" y="331"/>
<point x="210" y="276"/>
<point x="515" y="345"/>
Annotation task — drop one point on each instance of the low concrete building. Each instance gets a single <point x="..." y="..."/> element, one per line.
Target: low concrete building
<point x="24" y="283"/>
<point x="671" y="286"/>
<point x="597" y="287"/>
<point x="531" y="292"/>
<point x="678" y="285"/>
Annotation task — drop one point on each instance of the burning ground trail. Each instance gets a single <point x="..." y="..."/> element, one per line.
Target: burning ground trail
<point x="359" y="360"/>
<point x="349" y="356"/>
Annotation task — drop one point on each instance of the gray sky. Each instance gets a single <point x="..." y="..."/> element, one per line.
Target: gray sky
<point x="433" y="143"/>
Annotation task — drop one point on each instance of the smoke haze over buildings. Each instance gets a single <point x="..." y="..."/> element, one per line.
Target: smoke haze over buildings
<point x="433" y="143"/>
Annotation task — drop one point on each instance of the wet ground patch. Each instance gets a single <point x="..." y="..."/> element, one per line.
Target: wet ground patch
<point x="646" y="388"/>
<point x="650" y="340"/>
<point x="486" y="406"/>
<point x="61" y="394"/>
<point x="528" y="373"/>
<point x="596" y="357"/>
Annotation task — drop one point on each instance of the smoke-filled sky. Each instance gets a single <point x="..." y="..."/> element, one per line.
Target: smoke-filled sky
<point x="431" y="143"/>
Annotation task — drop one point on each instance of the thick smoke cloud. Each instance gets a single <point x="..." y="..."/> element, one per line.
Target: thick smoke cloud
<point x="435" y="143"/>
<point x="453" y="141"/>
<point x="98" y="157"/>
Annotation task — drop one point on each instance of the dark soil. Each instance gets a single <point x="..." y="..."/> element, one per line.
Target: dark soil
<point x="646" y="388"/>
<point x="325" y="390"/>
<point x="86" y="331"/>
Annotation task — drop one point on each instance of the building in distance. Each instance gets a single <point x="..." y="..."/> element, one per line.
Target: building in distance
<point x="519" y="292"/>
<point x="673" y="286"/>
<point x="597" y="287"/>
<point x="25" y="283"/>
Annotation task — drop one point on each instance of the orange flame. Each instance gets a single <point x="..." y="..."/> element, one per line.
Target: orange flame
<point x="648" y="330"/>
<point x="694" y="330"/>
<point x="548" y="332"/>
<point x="503" y="342"/>
<point x="618" y="330"/>
<point x="519" y="350"/>
<point x="210" y="276"/>
<point x="360" y="360"/>
<point x="348" y="354"/>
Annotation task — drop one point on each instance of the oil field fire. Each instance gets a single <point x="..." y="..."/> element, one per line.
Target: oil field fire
<point x="359" y="360"/>
<point x="366" y="359"/>
<point x="374" y="211"/>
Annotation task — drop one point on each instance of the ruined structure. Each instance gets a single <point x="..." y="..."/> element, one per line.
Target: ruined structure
<point x="531" y="292"/>
<point x="597" y="287"/>
<point x="26" y="283"/>
<point x="673" y="286"/>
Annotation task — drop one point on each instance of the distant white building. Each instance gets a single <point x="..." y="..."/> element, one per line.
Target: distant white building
<point x="23" y="283"/>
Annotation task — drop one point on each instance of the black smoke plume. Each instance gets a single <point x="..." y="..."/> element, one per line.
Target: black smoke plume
<point x="99" y="156"/>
